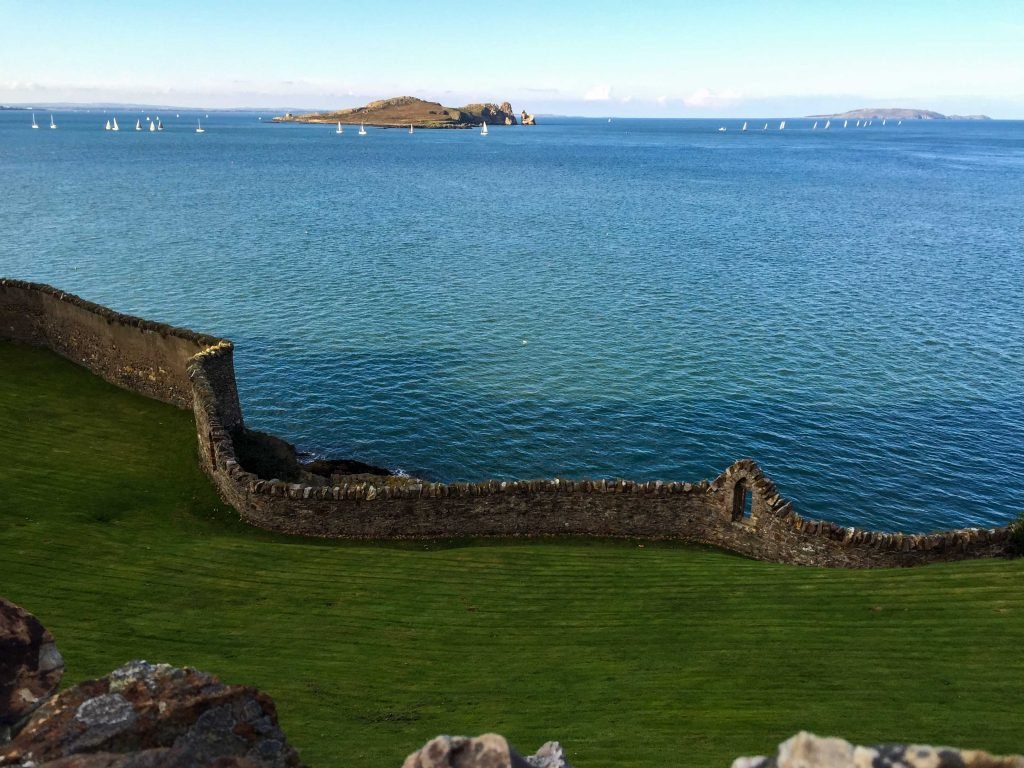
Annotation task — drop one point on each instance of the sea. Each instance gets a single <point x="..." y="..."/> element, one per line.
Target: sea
<point x="586" y="298"/>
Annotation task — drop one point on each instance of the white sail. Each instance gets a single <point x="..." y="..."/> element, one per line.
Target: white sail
<point x="159" y="125"/>
<point x="483" y="129"/>
<point x="883" y="121"/>
<point x="34" y="123"/>
<point x="815" y="126"/>
<point x="845" y="123"/>
<point x="782" y="125"/>
<point x="362" y="130"/>
<point x="744" y="128"/>
<point x="115" y="128"/>
<point x="765" y="127"/>
<point x="857" y="125"/>
<point x="339" y="129"/>
<point x="827" y="124"/>
<point x="138" y="125"/>
<point x="899" y="123"/>
<point x="52" y="124"/>
<point x="107" y="126"/>
<point x="410" y="128"/>
<point x="152" y="127"/>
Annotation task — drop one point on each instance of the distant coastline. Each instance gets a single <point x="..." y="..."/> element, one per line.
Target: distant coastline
<point x="876" y="113"/>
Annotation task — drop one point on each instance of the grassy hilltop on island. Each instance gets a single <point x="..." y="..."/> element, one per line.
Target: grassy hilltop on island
<point x="403" y="111"/>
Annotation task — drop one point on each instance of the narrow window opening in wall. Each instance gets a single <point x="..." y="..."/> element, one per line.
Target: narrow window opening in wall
<point x="740" y="501"/>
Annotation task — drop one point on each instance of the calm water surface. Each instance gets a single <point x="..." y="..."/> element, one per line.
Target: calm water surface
<point x="642" y="298"/>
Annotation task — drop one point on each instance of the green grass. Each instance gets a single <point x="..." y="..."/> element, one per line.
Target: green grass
<point x="639" y="655"/>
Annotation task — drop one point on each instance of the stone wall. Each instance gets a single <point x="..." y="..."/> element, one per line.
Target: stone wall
<point x="191" y="370"/>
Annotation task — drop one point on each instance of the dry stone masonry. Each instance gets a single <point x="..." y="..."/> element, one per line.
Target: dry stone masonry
<point x="740" y="510"/>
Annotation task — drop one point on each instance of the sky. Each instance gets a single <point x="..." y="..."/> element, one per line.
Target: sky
<point x="683" y="58"/>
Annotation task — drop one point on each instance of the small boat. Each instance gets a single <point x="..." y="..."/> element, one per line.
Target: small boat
<point x="782" y="125"/>
<point x="115" y="128"/>
<point x="53" y="125"/>
<point x="159" y="125"/>
<point x="827" y="124"/>
<point x="765" y="127"/>
<point x="898" y="124"/>
<point x="199" y="126"/>
<point x="107" y="126"/>
<point x="845" y="123"/>
<point x="152" y="127"/>
<point x="362" y="130"/>
<point x="138" y="125"/>
<point x="857" y="125"/>
<point x="815" y="126"/>
<point x="410" y="128"/>
<point x="34" y="123"/>
<point x="744" y="128"/>
<point x="339" y="130"/>
<point x="722" y="129"/>
<point x="483" y="129"/>
<point x="883" y="122"/>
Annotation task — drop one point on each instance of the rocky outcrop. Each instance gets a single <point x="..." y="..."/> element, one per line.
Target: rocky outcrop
<point x="145" y="715"/>
<point x="528" y="119"/>
<point x="30" y="665"/>
<point x="492" y="114"/>
<point x="487" y="751"/>
<point x="805" y="750"/>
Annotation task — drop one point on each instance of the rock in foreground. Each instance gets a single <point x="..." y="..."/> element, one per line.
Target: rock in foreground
<point x="487" y="751"/>
<point x="145" y="715"/>
<point x="30" y="665"/>
<point x="805" y="750"/>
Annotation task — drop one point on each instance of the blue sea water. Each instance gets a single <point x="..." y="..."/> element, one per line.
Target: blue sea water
<point x="640" y="298"/>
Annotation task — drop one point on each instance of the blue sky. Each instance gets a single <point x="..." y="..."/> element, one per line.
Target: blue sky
<point x="685" y="59"/>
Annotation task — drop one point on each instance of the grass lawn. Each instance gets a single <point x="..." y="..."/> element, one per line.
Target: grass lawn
<point x="630" y="655"/>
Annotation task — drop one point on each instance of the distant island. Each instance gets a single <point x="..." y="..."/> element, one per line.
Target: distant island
<point x="403" y="111"/>
<point x="874" y="113"/>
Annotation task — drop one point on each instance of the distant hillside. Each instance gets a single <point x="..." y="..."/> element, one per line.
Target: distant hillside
<point x="875" y="113"/>
<point x="403" y="111"/>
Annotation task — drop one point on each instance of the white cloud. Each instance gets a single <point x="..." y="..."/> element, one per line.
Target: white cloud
<point x="598" y="93"/>
<point x="705" y="97"/>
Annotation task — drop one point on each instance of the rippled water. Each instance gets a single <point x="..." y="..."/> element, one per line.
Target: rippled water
<point x="649" y="299"/>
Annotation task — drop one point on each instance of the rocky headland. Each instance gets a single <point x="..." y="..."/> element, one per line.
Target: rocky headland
<point x="403" y="111"/>
<point x="876" y="113"/>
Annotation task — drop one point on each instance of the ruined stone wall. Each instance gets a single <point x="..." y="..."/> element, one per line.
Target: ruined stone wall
<point x="196" y="371"/>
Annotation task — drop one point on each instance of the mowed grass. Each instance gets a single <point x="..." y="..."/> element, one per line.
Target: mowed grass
<point x="629" y="654"/>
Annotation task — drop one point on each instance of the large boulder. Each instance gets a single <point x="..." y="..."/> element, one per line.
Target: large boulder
<point x="30" y="665"/>
<point x="144" y="715"/>
<point x="487" y="751"/>
<point x="805" y="750"/>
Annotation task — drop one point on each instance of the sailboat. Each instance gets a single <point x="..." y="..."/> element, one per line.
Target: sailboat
<point x="883" y="122"/>
<point x="744" y="128"/>
<point x="483" y="129"/>
<point x="898" y="124"/>
<point x="34" y="123"/>
<point x="52" y="124"/>
<point x="827" y="124"/>
<point x="138" y="125"/>
<point x="362" y="130"/>
<point x="722" y="129"/>
<point x="815" y="126"/>
<point x="107" y="126"/>
<point x="410" y="128"/>
<point x="845" y="123"/>
<point x="765" y="127"/>
<point x="199" y="126"/>
<point x="159" y="125"/>
<point x="339" y="129"/>
<point x="857" y="125"/>
<point x="115" y="128"/>
<point x="782" y="125"/>
<point x="152" y="127"/>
